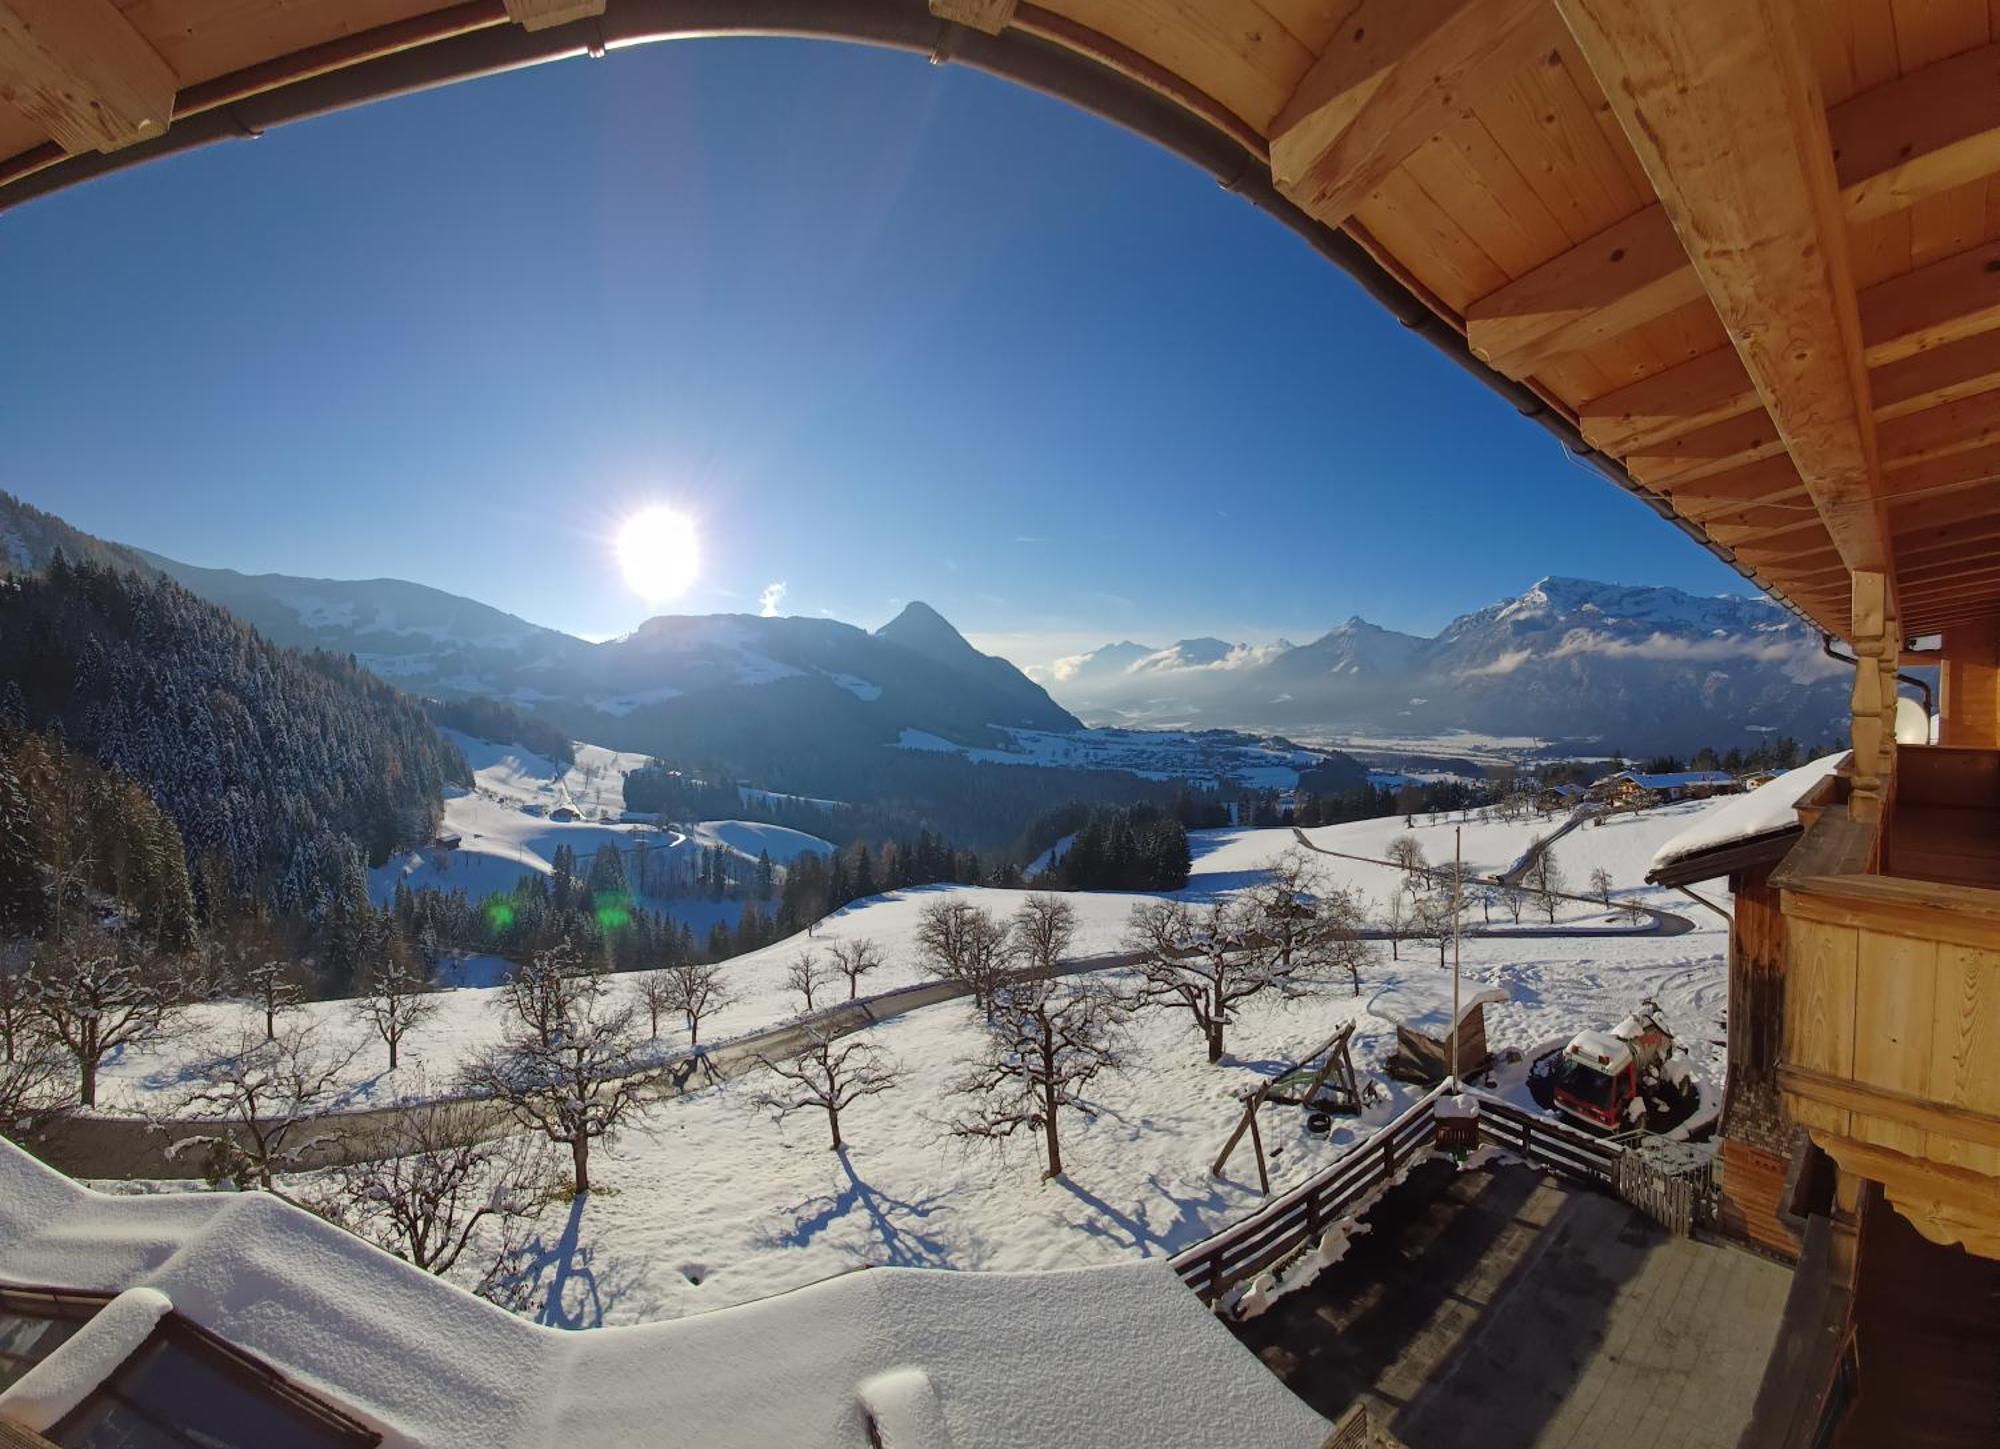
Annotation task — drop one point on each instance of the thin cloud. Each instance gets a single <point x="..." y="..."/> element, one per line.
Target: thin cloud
<point x="769" y="600"/>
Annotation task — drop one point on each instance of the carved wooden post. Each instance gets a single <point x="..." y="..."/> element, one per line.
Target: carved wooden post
<point x="1874" y="735"/>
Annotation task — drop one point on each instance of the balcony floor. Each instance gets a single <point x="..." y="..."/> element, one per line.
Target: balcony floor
<point x="1502" y="1309"/>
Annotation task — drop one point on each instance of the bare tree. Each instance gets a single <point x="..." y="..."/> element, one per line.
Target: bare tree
<point x="1434" y="919"/>
<point x="19" y="1023"/>
<point x="272" y="984"/>
<point x="32" y="1085"/>
<point x="1396" y="922"/>
<point x="1046" y="1042"/>
<point x="540" y="992"/>
<point x="401" y="996"/>
<point x="257" y="1103"/>
<point x="1307" y="921"/>
<point x="1205" y="960"/>
<point x="805" y="976"/>
<point x="697" y="990"/>
<point x="854" y="960"/>
<point x="827" y="1073"/>
<point x="569" y="1076"/>
<point x="96" y="992"/>
<point x="1042" y="932"/>
<point x="1406" y="854"/>
<point x="1601" y="885"/>
<point x="657" y="993"/>
<point x="1545" y="878"/>
<point x="1515" y="898"/>
<point x="963" y="943"/>
<point x="433" y="1179"/>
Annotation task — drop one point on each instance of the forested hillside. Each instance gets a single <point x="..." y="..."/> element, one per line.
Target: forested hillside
<point x="282" y="771"/>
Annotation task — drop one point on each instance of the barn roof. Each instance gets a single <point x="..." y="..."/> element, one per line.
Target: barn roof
<point x="1743" y="256"/>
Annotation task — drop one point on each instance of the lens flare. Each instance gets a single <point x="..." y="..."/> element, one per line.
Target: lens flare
<point x="659" y="553"/>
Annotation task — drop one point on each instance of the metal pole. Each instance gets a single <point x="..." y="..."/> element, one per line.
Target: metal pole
<point x="1457" y="879"/>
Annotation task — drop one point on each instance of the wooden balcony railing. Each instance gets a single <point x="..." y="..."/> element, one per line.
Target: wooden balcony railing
<point x="1892" y="1016"/>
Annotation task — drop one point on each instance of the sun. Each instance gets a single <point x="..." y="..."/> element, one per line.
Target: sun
<point x="659" y="553"/>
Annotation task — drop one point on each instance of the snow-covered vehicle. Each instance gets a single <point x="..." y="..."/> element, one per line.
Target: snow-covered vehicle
<point x="1622" y="1077"/>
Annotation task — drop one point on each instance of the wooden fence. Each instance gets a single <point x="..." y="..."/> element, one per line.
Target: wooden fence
<point x="1293" y="1221"/>
<point x="1553" y="1144"/>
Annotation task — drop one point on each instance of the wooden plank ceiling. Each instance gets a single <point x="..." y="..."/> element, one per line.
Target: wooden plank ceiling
<point x="1780" y="310"/>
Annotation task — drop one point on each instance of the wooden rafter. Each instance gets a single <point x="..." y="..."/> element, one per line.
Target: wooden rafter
<point x="1944" y="374"/>
<point x="1721" y="103"/>
<point x="79" y="70"/>
<point x="1718" y="448"/>
<point x="1394" y="74"/>
<point x="1899" y="144"/>
<point x="1620" y="279"/>
<point x="1949" y="299"/>
<point x="1929" y="131"/>
<point x="1708" y="389"/>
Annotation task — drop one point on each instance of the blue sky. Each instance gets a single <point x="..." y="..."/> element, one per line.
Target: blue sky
<point x="887" y="330"/>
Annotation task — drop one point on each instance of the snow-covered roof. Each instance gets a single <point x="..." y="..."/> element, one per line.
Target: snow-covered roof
<point x="1423" y="1003"/>
<point x="1104" y="1355"/>
<point x="1769" y="808"/>
<point x="1680" y="780"/>
<point x="1600" y="1051"/>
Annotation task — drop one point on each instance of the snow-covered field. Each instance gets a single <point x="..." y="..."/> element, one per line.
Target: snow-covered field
<point x="707" y="1202"/>
<point x="505" y="832"/>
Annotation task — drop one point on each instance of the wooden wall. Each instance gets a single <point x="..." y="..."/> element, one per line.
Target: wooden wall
<point x="1892" y="1045"/>
<point x="1758" y="1135"/>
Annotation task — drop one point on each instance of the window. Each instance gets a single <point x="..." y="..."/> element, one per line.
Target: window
<point x="34" y="1325"/>
<point x="183" y="1389"/>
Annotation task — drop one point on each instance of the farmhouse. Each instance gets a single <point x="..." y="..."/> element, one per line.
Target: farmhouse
<point x="1636" y="789"/>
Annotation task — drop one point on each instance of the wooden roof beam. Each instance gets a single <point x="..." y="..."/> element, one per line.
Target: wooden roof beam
<point x="80" y="71"/>
<point x="1622" y="278"/>
<point x="1719" y="448"/>
<point x="1721" y="103"/>
<point x="1944" y="509"/>
<point x="1924" y="134"/>
<point x="1943" y="475"/>
<point x="1945" y="374"/>
<point x="1395" y="74"/>
<point x="1929" y="131"/>
<point x="1958" y="296"/>
<point x="1958" y="427"/>
<point x="1708" y="389"/>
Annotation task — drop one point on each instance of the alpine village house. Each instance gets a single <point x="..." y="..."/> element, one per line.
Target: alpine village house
<point x="1740" y="257"/>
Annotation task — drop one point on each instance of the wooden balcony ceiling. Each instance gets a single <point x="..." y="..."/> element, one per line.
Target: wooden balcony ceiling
<point x="1749" y="248"/>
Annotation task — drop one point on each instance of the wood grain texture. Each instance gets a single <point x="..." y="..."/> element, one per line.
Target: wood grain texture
<point x="78" y="70"/>
<point x="1721" y="103"/>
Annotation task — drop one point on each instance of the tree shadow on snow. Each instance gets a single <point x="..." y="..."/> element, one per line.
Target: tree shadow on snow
<point x="1137" y="1233"/>
<point x="892" y="1221"/>
<point x="564" y="1279"/>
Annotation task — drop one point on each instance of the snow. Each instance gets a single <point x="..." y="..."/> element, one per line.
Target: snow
<point x="713" y="1204"/>
<point x="1771" y="806"/>
<point x="860" y="688"/>
<point x="1423" y="1003"/>
<point x="1122" y="1354"/>
<point x="504" y="831"/>
<point x="45" y="1393"/>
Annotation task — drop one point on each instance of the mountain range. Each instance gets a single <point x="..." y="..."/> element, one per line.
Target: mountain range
<point x="1568" y="660"/>
<point x="1641" y="668"/>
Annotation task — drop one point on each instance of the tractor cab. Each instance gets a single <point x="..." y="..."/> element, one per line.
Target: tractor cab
<point x="1596" y="1078"/>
